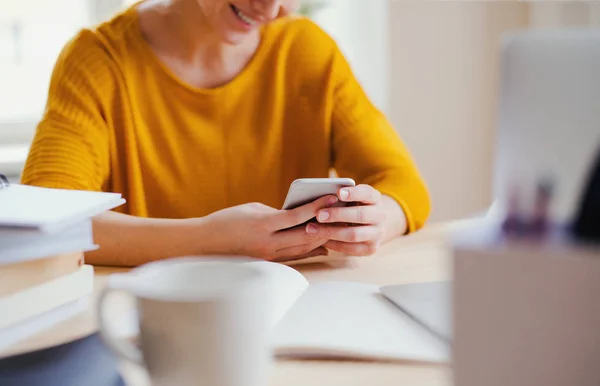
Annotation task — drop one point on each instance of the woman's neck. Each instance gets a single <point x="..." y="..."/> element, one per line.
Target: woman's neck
<point x="198" y="41"/>
<point x="179" y="33"/>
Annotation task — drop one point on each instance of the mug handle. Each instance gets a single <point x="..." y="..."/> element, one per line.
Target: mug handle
<point x="121" y="347"/>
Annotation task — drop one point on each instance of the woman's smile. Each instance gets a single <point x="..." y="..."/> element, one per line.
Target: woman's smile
<point x="247" y="21"/>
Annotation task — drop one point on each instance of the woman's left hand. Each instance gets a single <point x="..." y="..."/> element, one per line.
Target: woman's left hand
<point x="359" y="228"/>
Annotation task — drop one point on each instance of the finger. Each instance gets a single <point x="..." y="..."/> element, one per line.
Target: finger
<point x="301" y="251"/>
<point x="352" y="249"/>
<point x="356" y="234"/>
<point x="301" y="235"/>
<point x="320" y="251"/>
<point x="290" y="218"/>
<point x="360" y="214"/>
<point x="360" y="193"/>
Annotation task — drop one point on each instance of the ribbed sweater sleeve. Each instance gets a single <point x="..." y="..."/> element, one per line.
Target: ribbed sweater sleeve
<point x="367" y="147"/>
<point x="71" y="145"/>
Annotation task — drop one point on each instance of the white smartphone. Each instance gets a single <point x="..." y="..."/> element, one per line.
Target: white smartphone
<point x="305" y="190"/>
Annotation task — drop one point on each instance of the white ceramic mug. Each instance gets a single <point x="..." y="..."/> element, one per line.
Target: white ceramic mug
<point x="201" y="322"/>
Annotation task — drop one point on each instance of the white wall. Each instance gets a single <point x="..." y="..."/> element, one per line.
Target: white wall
<point x="564" y="14"/>
<point x="431" y="66"/>
<point x="444" y="86"/>
<point x="356" y="24"/>
<point x="443" y="94"/>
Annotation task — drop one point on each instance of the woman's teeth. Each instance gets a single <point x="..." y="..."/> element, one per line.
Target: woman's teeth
<point x="245" y="18"/>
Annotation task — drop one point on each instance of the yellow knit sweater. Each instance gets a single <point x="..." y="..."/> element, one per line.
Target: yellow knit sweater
<point x="118" y="120"/>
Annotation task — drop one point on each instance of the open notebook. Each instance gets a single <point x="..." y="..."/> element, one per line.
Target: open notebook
<point x="336" y="320"/>
<point x="344" y="320"/>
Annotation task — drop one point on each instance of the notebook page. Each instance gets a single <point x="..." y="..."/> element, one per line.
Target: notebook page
<point x="51" y="209"/>
<point x="287" y="285"/>
<point x="340" y="319"/>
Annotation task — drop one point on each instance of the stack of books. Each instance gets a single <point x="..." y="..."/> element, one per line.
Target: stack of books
<point x="43" y="236"/>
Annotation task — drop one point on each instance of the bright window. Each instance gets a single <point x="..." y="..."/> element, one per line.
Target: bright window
<point x="32" y="34"/>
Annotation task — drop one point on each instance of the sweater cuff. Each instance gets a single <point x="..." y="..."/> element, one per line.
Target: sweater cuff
<point x="411" y="225"/>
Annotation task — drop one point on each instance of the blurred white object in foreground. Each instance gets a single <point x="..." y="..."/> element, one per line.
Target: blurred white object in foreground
<point x="526" y="311"/>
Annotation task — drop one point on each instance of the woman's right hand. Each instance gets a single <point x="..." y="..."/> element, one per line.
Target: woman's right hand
<point x="257" y="230"/>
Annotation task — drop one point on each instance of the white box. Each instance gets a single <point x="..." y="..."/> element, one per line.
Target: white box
<point x="526" y="313"/>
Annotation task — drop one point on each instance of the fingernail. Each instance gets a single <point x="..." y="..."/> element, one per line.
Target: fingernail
<point x="312" y="229"/>
<point x="324" y="215"/>
<point x="332" y="201"/>
<point x="344" y="194"/>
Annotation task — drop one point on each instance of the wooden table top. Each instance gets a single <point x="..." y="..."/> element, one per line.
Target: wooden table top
<point x="420" y="257"/>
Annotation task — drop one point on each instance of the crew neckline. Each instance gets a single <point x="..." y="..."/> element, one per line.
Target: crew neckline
<point x="244" y="75"/>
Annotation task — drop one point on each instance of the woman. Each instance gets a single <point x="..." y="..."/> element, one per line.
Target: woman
<point x="196" y="110"/>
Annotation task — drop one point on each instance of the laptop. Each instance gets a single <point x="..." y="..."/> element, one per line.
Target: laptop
<point x="548" y="122"/>
<point x="429" y="304"/>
